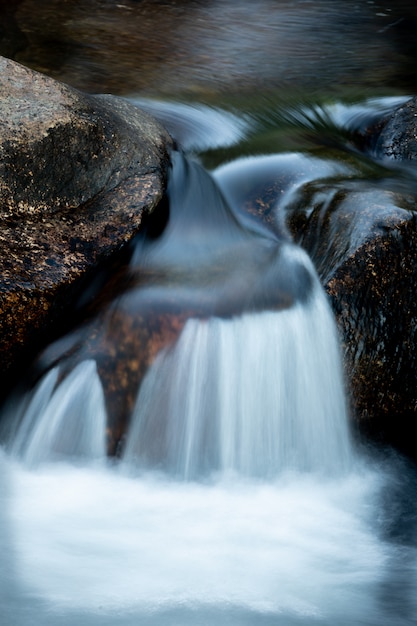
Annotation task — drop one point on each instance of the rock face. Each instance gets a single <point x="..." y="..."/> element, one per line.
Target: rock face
<point x="78" y="174"/>
<point x="373" y="288"/>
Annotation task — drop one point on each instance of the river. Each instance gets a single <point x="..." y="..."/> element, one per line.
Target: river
<point x="240" y="495"/>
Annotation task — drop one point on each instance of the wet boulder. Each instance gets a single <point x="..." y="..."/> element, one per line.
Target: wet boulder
<point x="396" y="134"/>
<point x="362" y="238"/>
<point x="78" y="174"/>
<point x="363" y="245"/>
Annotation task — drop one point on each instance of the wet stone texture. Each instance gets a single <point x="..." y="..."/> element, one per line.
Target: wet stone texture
<point x="361" y="234"/>
<point x="364" y="247"/>
<point x="123" y="340"/>
<point x="77" y="175"/>
<point x="397" y="138"/>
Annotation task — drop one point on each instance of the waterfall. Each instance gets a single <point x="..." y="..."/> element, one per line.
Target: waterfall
<point x="65" y="419"/>
<point x="253" y="385"/>
<point x="255" y="394"/>
<point x="238" y="497"/>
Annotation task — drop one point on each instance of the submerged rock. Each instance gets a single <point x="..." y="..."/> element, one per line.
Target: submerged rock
<point x="78" y="173"/>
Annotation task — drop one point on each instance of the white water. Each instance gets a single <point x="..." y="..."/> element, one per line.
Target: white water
<point x="286" y="526"/>
<point x="95" y="542"/>
<point x="197" y="126"/>
<point x="67" y="420"/>
<point x="256" y="395"/>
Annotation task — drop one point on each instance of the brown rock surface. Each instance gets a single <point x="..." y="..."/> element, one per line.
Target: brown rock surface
<point x="77" y="175"/>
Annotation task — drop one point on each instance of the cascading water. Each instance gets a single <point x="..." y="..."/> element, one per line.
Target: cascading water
<point x="256" y="394"/>
<point x="67" y="420"/>
<point x="238" y="498"/>
<point x="242" y="389"/>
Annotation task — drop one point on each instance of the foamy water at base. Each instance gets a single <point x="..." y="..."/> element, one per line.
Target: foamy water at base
<point x="91" y="544"/>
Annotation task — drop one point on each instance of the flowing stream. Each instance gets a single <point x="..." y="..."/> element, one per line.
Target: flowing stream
<point x="239" y="495"/>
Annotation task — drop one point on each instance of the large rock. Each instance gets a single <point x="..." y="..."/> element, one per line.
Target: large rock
<point x="78" y="174"/>
<point x="362" y="238"/>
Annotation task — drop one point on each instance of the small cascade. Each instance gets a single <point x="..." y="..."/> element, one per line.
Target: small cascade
<point x="253" y="383"/>
<point x="67" y="419"/>
<point x="239" y="497"/>
<point x="256" y="394"/>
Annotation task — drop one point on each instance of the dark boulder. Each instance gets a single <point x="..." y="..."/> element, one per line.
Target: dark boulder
<point x="396" y="136"/>
<point x="78" y="173"/>
<point x="363" y="244"/>
<point x="362" y="238"/>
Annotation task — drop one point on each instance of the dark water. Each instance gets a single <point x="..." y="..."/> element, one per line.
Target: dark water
<point x="217" y="49"/>
<point x="247" y="90"/>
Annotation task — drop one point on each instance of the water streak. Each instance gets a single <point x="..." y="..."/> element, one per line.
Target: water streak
<point x="256" y="394"/>
<point x="61" y="420"/>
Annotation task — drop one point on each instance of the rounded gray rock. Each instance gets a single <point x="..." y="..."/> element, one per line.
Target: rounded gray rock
<point x="78" y="173"/>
